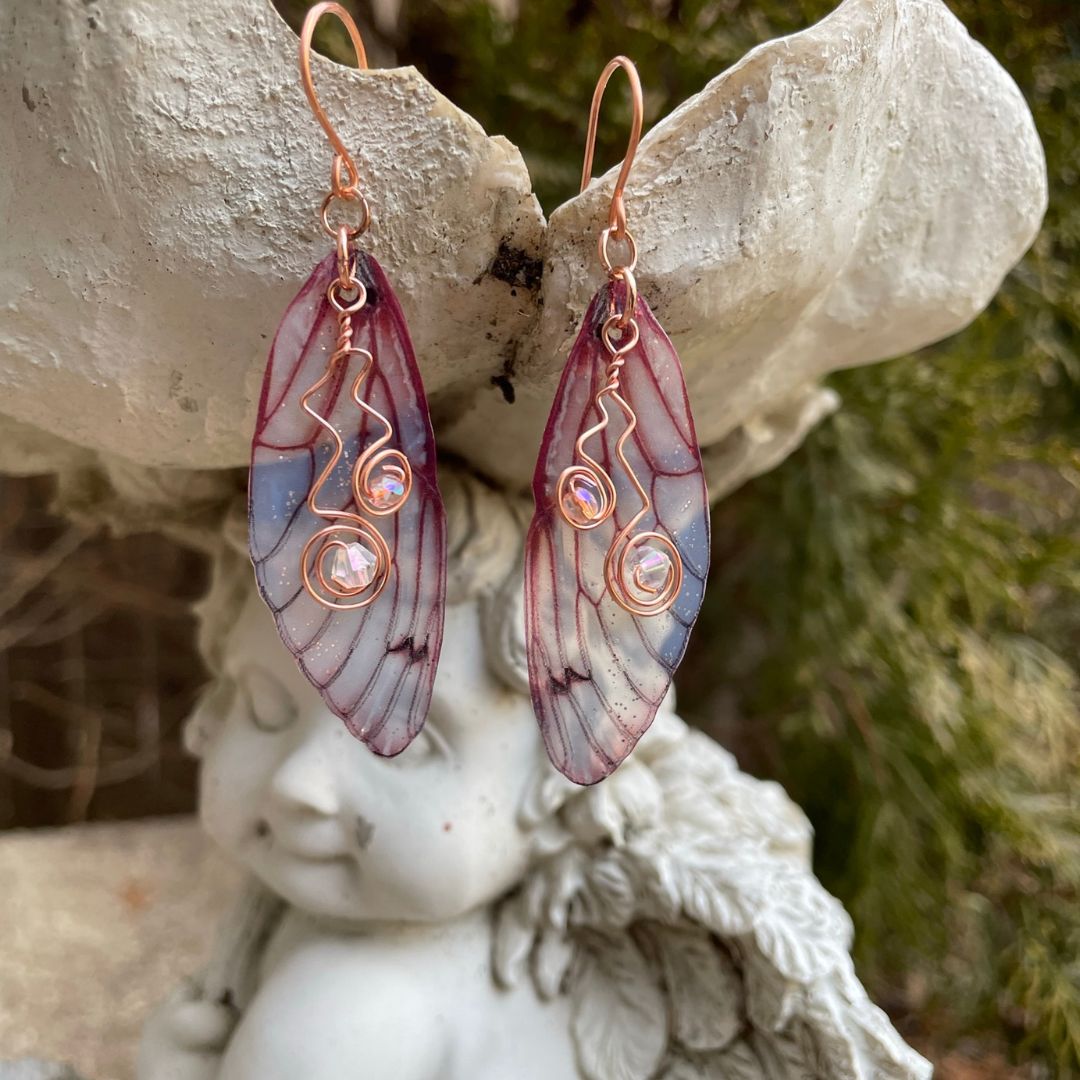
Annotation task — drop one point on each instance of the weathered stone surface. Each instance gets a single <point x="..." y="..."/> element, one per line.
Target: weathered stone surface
<point x="840" y="196"/>
<point x="161" y="181"/>
<point x="99" y="919"/>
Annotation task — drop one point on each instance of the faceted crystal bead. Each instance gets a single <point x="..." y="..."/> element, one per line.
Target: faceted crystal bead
<point x="581" y="500"/>
<point x="353" y="567"/>
<point x="650" y="567"/>
<point x="388" y="490"/>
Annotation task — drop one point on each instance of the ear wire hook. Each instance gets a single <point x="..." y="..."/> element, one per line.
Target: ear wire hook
<point x="342" y="157"/>
<point x="617" y="213"/>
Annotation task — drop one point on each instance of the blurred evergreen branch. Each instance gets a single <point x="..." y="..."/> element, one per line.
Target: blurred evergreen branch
<point x="897" y="605"/>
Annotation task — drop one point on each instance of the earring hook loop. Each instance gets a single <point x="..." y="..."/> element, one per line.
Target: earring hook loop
<point x="617" y="213"/>
<point x="341" y="152"/>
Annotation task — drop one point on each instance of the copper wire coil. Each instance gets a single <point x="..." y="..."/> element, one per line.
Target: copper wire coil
<point x="626" y="586"/>
<point x="361" y="480"/>
<point x="313" y="558"/>
<point x="619" y="577"/>
<point x="594" y="475"/>
<point x="313" y="563"/>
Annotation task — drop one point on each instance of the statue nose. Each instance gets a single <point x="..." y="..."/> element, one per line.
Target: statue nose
<point x="305" y="781"/>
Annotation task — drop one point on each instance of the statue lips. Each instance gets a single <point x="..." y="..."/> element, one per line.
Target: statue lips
<point x="313" y="841"/>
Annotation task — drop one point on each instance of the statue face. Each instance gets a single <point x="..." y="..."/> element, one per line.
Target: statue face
<point x="347" y="835"/>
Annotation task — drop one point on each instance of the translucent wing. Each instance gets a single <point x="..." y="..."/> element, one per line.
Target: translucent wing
<point x="374" y="666"/>
<point x="597" y="671"/>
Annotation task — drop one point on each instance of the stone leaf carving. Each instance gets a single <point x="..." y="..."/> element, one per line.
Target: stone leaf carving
<point x="696" y="971"/>
<point x="685" y="889"/>
<point x="839" y="196"/>
<point x="619" y="1022"/>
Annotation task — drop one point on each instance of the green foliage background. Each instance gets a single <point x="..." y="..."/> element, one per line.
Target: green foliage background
<point x="907" y="582"/>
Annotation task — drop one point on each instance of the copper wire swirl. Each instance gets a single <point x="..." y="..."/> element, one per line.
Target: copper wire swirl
<point x="348" y="295"/>
<point x="624" y="582"/>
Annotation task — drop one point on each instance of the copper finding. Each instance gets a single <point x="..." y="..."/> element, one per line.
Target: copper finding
<point x="393" y="465"/>
<point x="617" y="213"/>
<point x="347" y="294"/>
<point x="343" y="157"/>
<point x="624" y="577"/>
<point x="340" y="522"/>
<point x="346" y="187"/>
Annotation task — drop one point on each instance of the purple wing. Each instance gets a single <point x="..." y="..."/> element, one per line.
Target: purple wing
<point x="598" y="672"/>
<point x="374" y="666"/>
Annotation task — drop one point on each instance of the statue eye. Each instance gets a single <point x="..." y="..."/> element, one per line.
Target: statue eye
<point x="270" y="706"/>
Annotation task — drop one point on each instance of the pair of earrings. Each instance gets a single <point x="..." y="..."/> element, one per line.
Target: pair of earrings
<point x="347" y="529"/>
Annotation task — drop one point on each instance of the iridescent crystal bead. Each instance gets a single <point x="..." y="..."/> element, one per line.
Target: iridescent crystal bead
<point x="388" y="490"/>
<point x="353" y="567"/>
<point x="650" y="567"/>
<point x="581" y="500"/>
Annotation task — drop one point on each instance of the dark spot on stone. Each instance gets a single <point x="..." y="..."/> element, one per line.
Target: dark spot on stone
<point x="515" y="267"/>
<point x="189" y="405"/>
<point x="447" y="826"/>
<point x="262" y="829"/>
<point x="506" y="386"/>
<point x="28" y="101"/>
<point x="365" y="830"/>
<point x="91" y="22"/>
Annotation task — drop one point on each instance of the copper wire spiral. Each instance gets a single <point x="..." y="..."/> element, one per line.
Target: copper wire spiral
<point x="376" y="496"/>
<point x="348" y="295"/>
<point x="624" y="581"/>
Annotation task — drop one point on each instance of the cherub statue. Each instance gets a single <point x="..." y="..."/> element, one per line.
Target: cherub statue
<point x="462" y="911"/>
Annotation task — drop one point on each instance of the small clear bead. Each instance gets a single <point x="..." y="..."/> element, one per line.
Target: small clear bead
<point x="650" y="567"/>
<point x="581" y="500"/>
<point x="388" y="490"/>
<point x="353" y="567"/>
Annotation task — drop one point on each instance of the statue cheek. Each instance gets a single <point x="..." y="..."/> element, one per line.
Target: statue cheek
<point x="462" y="869"/>
<point x="233" y="780"/>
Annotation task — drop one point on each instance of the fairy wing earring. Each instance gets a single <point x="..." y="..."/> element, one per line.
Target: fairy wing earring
<point x="347" y="529"/>
<point x="618" y="549"/>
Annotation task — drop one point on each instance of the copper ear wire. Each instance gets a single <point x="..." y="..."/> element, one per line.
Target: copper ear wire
<point x="616" y="226"/>
<point x="617" y="213"/>
<point x="348" y="190"/>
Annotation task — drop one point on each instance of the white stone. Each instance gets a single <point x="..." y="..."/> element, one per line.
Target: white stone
<point x="162" y="175"/>
<point x="843" y="195"/>
<point x="99" y="919"/>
